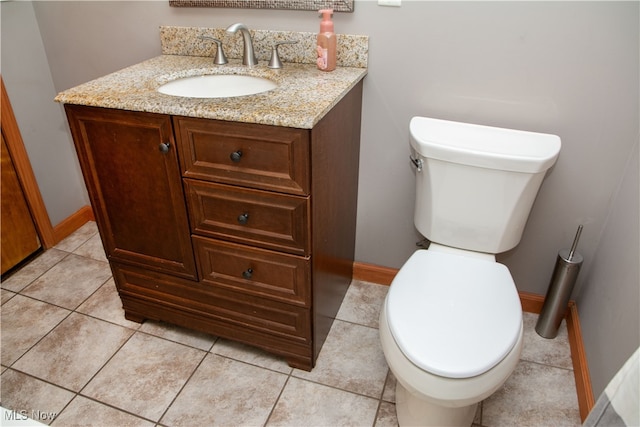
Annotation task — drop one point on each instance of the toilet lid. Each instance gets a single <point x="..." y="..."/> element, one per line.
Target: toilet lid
<point x="452" y="315"/>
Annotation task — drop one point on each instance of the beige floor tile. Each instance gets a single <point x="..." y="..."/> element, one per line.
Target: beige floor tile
<point x="6" y="295"/>
<point x="105" y="304"/>
<point x="362" y="303"/>
<point x="30" y="272"/>
<point x="69" y="282"/>
<point x="74" y="351"/>
<point x="225" y="392"/>
<point x="552" y="352"/>
<point x="145" y="375"/>
<point x="33" y="398"/>
<point x="178" y="334"/>
<point x="535" y="395"/>
<point x="162" y="365"/>
<point x="304" y="403"/>
<point x="386" y="416"/>
<point x="92" y="248"/>
<point x="351" y="359"/>
<point x="24" y="322"/>
<point x="389" y="393"/>
<point x="78" y="237"/>
<point x="251" y="355"/>
<point x="83" y="412"/>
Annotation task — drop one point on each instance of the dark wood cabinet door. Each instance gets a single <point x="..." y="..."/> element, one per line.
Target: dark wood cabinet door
<point x="130" y="165"/>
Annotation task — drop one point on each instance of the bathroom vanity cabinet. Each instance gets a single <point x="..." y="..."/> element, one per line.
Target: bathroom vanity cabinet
<point x="244" y="231"/>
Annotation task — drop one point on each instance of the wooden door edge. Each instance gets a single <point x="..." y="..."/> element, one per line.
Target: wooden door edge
<point x="27" y="179"/>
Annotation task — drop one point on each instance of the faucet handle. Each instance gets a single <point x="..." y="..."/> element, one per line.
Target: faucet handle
<point x="275" y="62"/>
<point x="220" y="58"/>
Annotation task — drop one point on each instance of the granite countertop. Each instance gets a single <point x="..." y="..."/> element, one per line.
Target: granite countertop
<point x="303" y="96"/>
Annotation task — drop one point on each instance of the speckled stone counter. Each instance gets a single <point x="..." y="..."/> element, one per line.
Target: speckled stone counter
<point x="352" y="50"/>
<point x="303" y="96"/>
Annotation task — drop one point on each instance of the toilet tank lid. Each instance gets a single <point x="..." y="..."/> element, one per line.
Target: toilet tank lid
<point x="484" y="146"/>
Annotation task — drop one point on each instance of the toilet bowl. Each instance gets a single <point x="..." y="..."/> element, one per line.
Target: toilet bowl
<point x="451" y="325"/>
<point x="452" y="346"/>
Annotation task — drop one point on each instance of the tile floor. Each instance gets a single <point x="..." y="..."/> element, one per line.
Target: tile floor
<point x="69" y="358"/>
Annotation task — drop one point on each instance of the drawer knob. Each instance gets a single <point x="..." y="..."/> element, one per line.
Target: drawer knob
<point x="164" y="147"/>
<point x="243" y="218"/>
<point x="236" y="156"/>
<point x="247" y="273"/>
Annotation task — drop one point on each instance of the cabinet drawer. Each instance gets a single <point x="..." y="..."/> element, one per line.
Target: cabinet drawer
<point x="167" y="296"/>
<point x="254" y="271"/>
<point x="250" y="155"/>
<point x="254" y="217"/>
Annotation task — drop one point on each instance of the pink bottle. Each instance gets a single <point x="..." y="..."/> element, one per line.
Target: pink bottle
<point x="327" y="42"/>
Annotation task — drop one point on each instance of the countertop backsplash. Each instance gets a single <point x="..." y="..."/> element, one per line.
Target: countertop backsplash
<point x="353" y="50"/>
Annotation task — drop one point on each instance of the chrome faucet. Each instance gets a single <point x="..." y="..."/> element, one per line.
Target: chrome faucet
<point x="248" y="55"/>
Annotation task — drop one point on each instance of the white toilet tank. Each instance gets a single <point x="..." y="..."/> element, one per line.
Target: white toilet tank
<point x="477" y="183"/>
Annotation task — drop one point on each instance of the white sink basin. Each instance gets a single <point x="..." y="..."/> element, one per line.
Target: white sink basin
<point x="217" y="86"/>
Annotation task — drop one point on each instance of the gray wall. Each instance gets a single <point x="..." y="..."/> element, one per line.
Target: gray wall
<point x="26" y="74"/>
<point x="610" y="298"/>
<point x="569" y="68"/>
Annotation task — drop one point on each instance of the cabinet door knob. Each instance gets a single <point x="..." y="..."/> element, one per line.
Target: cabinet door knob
<point x="243" y="218"/>
<point x="236" y="156"/>
<point x="247" y="273"/>
<point x="164" y="147"/>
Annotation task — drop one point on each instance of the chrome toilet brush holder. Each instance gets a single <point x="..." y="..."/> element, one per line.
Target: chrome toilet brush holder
<point x="563" y="279"/>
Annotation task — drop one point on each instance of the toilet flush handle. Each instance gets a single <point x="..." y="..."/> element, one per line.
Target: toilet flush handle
<point x="417" y="163"/>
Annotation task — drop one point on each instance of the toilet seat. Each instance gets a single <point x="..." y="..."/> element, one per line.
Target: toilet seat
<point x="452" y="315"/>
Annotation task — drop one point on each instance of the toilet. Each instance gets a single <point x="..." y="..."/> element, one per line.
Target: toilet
<point x="451" y="324"/>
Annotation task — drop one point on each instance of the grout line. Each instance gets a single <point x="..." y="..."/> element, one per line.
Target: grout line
<point x="70" y="312"/>
<point x="253" y="364"/>
<point x="275" y="403"/>
<point x="336" y="388"/>
<point x="206" y="354"/>
<point x="175" y="341"/>
<point x="375" y="417"/>
<point x="40" y="275"/>
<point x="546" y="364"/>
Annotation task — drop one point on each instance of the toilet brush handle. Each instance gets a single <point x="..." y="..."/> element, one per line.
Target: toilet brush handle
<point x="575" y="242"/>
